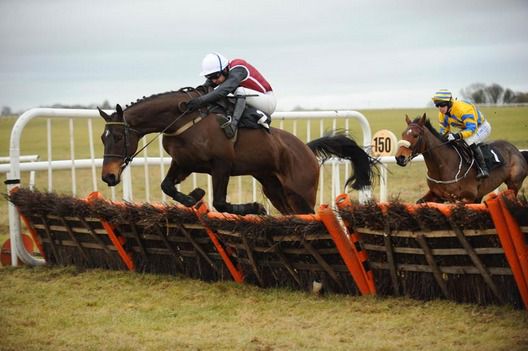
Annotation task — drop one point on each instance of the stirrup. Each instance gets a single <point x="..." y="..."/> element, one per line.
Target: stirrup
<point x="226" y="123"/>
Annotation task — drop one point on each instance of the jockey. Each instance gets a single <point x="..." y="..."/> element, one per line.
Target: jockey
<point x="470" y="122"/>
<point x="244" y="81"/>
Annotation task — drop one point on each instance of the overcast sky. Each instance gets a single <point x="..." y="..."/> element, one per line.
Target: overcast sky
<point x="316" y="54"/>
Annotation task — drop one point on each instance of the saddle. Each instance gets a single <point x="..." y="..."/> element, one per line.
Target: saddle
<point x="492" y="156"/>
<point x="249" y="119"/>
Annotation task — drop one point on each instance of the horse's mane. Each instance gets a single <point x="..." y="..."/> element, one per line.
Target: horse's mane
<point x="201" y="89"/>
<point x="430" y="127"/>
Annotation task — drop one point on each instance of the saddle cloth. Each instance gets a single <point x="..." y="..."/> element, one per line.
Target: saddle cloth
<point x="492" y="156"/>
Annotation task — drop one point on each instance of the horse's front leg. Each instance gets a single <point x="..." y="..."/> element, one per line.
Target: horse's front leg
<point x="430" y="197"/>
<point x="175" y="176"/>
<point x="220" y="174"/>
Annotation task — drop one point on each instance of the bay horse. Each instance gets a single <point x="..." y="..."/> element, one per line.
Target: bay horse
<point x="448" y="177"/>
<point x="286" y="167"/>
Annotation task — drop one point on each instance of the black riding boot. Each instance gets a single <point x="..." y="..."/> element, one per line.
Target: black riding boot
<point x="481" y="164"/>
<point x="231" y="125"/>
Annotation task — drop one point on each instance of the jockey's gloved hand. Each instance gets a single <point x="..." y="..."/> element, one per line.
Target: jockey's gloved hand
<point x="194" y="104"/>
<point x="452" y="137"/>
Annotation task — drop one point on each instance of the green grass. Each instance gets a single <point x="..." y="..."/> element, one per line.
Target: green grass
<point x="63" y="309"/>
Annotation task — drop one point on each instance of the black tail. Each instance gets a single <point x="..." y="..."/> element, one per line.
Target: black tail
<point x="344" y="147"/>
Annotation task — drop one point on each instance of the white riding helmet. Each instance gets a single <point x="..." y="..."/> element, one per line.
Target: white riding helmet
<point x="213" y="63"/>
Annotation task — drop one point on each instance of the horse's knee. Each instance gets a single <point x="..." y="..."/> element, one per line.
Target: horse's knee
<point x="167" y="186"/>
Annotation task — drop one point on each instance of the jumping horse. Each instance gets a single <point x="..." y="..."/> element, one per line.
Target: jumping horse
<point x="450" y="178"/>
<point x="286" y="167"/>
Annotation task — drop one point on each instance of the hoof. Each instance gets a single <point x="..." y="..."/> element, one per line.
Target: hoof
<point x="186" y="201"/>
<point x="197" y="194"/>
<point x="245" y="209"/>
<point x="259" y="209"/>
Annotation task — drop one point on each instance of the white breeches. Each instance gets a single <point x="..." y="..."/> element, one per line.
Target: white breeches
<point x="481" y="134"/>
<point x="263" y="102"/>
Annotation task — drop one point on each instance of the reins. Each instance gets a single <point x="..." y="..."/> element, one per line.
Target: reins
<point x="126" y="158"/>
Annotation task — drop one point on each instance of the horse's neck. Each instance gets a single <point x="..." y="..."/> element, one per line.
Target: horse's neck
<point x="437" y="154"/>
<point x="154" y="117"/>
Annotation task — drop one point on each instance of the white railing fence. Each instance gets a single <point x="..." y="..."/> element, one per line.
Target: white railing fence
<point x="315" y="124"/>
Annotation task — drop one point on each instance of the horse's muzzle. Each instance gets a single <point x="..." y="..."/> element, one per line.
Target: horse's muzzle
<point x="401" y="160"/>
<point x="110" y="179"/>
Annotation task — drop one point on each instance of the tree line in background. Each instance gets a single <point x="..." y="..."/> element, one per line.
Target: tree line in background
<point x="493" y="94"/>
<point x="479" y="93"/>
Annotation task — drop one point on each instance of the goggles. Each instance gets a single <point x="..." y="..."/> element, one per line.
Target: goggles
<point x="213" y="76"/>
<point x="442" y="104"/>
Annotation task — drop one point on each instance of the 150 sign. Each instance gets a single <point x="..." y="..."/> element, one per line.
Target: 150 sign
<point x="384" y="143"/>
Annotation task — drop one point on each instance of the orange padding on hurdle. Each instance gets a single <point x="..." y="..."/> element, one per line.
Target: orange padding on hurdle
<point x="512" y="242"/>
<point x="445" y="209"/>
<point x="32" y="230"/>
<point x="201" y="209"/>
<point x="517" y="237"/>
<point x="346" y="249"/>
<point x="127" y="260"/>
<point x="343" y="201"/>
<point x="34" y="235"/>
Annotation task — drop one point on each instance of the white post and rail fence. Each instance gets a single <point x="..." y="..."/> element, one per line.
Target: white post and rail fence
<point x="314" y="127"/>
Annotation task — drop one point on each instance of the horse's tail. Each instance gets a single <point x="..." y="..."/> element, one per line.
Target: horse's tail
<point x="344" y="147"/>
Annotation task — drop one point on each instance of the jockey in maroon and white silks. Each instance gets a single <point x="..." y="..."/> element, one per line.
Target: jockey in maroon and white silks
<point x="254" y="84"/>
<point x="236" y="77"/>
<point x="254" y="79"/>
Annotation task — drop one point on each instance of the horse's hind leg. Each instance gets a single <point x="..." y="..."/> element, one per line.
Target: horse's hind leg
<point x="301" y="195"/>
<point x="516" y="179"/>
<point x="274" y="191"/>
<point x="284" y="199"/>
<point x="299" y="203"/>
<point x="220" y="174"/>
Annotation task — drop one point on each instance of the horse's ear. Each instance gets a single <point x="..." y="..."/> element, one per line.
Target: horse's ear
<point x="103" y="114"/>
<point x="119" y="111"/>
<point x="422" y="120"/>
<point x="407" y="119"/>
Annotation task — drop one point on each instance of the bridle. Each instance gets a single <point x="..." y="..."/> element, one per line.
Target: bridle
<point x="415" y="151"/>
<point x="417" y="148"/>
<point x="125" y="156"/>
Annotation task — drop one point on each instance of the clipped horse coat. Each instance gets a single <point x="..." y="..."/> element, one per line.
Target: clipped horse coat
<point x="286" y="167"/>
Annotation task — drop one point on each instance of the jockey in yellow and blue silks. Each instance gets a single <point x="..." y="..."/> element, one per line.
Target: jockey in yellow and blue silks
<point x="470" y="122"/>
